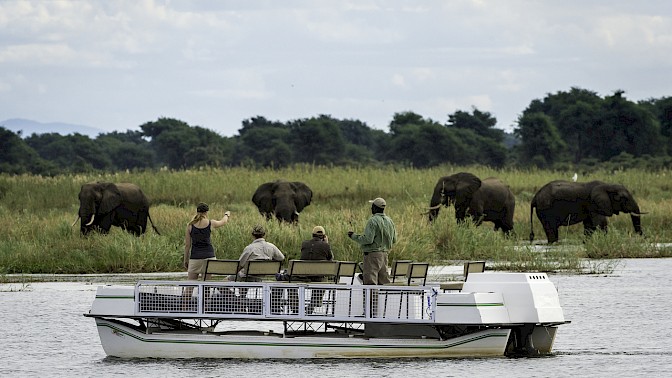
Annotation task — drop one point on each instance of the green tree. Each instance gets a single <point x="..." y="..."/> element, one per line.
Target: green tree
<point x="477" y="149"/>
<point x="317" y="140"/>
<point x="75" y="152"/>
<point x="482" y="123"/>
<point x="362" y="143"/>
<point x="127" y="150"/>
<point x="422" y="142"/>
<point x="625" y="127"/>
<point x="577" y="122"/>
<point x="17" y="157"/>
<point x="178" y="145"/>
<point x="662" y="110"/>
<point x="263" y="146"/>
<point x="541" y="144"/>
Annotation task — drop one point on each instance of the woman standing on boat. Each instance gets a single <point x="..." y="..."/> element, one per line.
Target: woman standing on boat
<point x="197" y="245"/>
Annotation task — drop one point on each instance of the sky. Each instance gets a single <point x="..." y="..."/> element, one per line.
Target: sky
<point x="115" y="65"/>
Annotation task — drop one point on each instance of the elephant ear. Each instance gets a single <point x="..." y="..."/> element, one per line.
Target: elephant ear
<point x="263" y="197"/>
<point x="303" y="195"/>
<point x="111" y="198"/>
<point x="601" y="199"/>
<point x="465" y="187"/>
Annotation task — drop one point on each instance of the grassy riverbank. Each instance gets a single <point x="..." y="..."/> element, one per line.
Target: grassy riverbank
<point x="36" y="214"/>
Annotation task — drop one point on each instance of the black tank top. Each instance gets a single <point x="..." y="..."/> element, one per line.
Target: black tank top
<point x="201" y="247"/>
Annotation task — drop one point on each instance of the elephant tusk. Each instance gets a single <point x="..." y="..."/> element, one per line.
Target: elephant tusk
<point x="435" y="207"/>
<point x="92" y="218"/>
<point x="73" y="223"/>
<point x="638" y="214"/>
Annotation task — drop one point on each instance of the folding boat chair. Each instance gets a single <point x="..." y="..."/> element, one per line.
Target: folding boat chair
<point x="416" y="274"/>
<point x="259" y="270"/>
<point x="346" y="269"/>
<point x="399" y="269"/>
<point x="220" y="267"/>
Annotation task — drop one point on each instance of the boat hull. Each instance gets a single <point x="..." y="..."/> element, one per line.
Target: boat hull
<point x="122" y="341"/>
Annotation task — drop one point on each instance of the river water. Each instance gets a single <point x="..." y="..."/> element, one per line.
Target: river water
<point x="621" y="326"/>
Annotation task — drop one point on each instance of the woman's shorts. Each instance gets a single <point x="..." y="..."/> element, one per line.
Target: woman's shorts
<point x="197" y="266"/>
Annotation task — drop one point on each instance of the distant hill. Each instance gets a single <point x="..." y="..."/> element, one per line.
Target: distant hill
<point x="28" y="127"/>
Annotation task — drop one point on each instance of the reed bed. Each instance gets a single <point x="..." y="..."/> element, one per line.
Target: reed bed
<point x="36" y="214"/>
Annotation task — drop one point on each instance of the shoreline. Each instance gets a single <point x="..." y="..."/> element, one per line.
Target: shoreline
<point x="435" y="274"/>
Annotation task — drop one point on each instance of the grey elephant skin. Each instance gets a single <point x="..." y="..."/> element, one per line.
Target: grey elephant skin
<point x="105" y="204"/>
<point x="283" y="200"/>
<point x="564" y="203"/>
<point x="488" y="200"/>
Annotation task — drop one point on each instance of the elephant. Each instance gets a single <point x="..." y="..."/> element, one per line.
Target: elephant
<point x="564" y="203"/>
<point x="282" y="199"/>
<point x="488" y="200"/>
<point x="105" y="204"/>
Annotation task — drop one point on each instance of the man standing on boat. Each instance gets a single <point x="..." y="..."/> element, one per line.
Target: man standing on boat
<point x="377" y="240"/>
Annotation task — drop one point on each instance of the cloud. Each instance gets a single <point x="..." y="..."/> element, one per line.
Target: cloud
<point x="216" y="63"/>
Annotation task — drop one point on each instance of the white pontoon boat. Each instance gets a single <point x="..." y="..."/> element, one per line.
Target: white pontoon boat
<point x="494" y="314"/>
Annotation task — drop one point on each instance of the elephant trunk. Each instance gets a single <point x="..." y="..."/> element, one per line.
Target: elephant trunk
<point x="434" y="206"/>
<point x="636" y="222"/>
<point x="286" y="214"/>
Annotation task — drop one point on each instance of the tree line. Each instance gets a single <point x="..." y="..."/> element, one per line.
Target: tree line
<point x="565" y="129"/>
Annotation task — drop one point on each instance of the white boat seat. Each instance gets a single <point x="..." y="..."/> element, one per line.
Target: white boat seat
<point x="469" y="267"/>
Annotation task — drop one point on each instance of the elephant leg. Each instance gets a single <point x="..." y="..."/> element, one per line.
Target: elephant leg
<point x="106" y="222"/>
<point x="551" y="231"/>
<point x="507" y="225"/>
<point x="141" y="225"/>
<point x="498" y="225"/>
<point x="460" y="214"/>
<point x="588" y="228"/>
<point x="477" y="218"/>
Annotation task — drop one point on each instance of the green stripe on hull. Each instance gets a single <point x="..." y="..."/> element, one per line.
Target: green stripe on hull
<point x="470" y="304"/>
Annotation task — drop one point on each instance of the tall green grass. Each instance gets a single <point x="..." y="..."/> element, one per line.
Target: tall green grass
<point x="36" y="214"/>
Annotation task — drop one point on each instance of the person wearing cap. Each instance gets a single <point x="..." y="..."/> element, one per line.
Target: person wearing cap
<point x="197" y="244"/>
<point x="377" y="240"/>
<point x="259" y="249"/>
<point x="316" y="248"/>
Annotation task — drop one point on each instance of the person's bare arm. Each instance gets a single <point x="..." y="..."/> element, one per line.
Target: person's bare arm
<point x="219" y="223"/>
<point x="187" y="247"/>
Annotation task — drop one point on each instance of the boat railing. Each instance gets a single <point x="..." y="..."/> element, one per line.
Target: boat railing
<point x="285" y="301"/>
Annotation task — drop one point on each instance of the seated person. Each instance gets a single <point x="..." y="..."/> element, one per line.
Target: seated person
<point x="316" y="248"/>
<point x="259" y="249"/>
